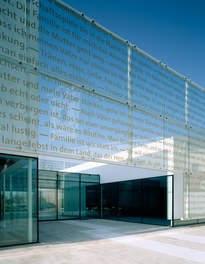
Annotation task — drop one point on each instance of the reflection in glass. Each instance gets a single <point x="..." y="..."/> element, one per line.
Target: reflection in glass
<point x="68" y="200"/>
<point x="68" y="195"/>
<point x="18" y="204"/>
<point x="144" y="200"/>
<point x="47" y="200"/>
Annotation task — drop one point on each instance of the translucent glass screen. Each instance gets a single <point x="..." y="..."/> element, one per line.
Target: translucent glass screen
<point x="71" y="88"/>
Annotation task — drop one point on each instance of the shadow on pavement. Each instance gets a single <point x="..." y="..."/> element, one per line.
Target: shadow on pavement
<point x="73" y="231"/>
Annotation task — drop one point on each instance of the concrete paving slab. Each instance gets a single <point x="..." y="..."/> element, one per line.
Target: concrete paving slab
<point x="104" y="241"/>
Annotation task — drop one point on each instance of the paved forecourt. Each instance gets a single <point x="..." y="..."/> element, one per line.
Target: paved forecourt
<point x="105" y="241"/>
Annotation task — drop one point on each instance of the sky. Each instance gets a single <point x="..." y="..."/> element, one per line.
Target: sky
<point x="170" y="31"/>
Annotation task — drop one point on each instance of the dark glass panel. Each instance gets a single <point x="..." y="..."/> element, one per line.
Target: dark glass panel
<point x="155" y="197"/>
<point x="155" y="200"/>
<point x="90" y="200"/>
<point x="110" y="201"/>
<point x="143" y="200"/>
<point x="130" y="201"/>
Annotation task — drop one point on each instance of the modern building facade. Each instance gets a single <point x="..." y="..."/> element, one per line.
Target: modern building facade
<point x="107" y="129"/>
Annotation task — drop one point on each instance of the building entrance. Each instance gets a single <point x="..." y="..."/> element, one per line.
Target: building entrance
<point x="79" y="196"/>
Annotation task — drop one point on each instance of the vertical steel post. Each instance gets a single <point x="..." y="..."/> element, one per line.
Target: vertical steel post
<point x="30" y="202"/>
<point x="186" y="173"/>
<point x="129" y="95"/>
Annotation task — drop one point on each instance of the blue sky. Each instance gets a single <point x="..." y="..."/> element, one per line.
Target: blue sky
<point x="169" y="30"/>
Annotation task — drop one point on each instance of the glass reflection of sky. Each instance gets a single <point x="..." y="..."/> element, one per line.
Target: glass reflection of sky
<point x="196" y="107"/>
<point x="81" y="52"/>
<point x="102" y="98"/>
<point x="97" y="123"/>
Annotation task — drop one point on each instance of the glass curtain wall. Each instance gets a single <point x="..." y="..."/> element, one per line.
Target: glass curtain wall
<point x="18" y="203"/>
<point x="143" y="200"/>
<point x="68" y="195"/>
<point x="79" y="91"/>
